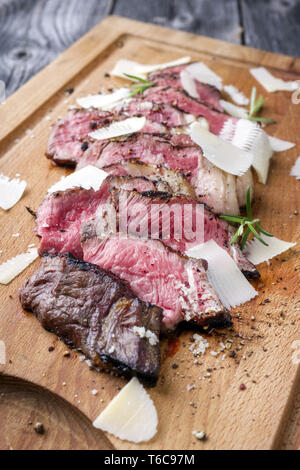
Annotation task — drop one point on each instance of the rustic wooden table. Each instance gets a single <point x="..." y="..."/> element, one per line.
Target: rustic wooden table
<point x="32" y="34"/>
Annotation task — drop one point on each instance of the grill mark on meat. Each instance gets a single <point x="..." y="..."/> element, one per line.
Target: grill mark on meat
<point x="160" y="275"/>
<point x="178" y="153"/>
<point x="92" y="310"/>
<point x="176" y="180"/>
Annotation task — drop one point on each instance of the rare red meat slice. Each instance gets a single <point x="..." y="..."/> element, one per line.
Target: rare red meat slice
<point x="159" y="275"/>
<point x="212" y="186"/>
<point x="178" y="98"/>
<point x="208" y="94"/>
<point x="93" y="311"/>
<point x="61" y="214"/>
<point x="70" y="139"/>
<point x="164" y="114"/>
<point x="179" y="222"/>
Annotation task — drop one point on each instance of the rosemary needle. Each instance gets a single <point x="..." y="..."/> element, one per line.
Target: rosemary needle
<point x="139" y="87"/>
<point x="255" y="106"/>
<point x="247" y="226"/>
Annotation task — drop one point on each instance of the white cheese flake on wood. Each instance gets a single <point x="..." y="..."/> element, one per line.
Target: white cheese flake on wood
<point x="257" y="253"/>
<point x="13" y="267"/>
<point x="11" y="191"/>
<point x="136" y="69"/>
<point x="188" y="84"/>
<point x="104" y="100"/>
<point x="224" y="275"/>
<point x="271" y="83"/>
<point x="236" y="95"/>
<point x="131" y="415"/>
<point x="295" y="171"/>
<point x="279" y="145"/>
<point x="117" y="129"/>
<point x="199" y="71"/>
<point x="221" y="153"/>
<point x="233" y="110"/>
<point x="87" y="178"/>
<point x="249" y="137"/>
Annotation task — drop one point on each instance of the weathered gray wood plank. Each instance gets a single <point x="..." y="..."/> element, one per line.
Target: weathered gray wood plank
<point x="272" y="25"/>
<point x="217" y="18"/>
<point x="34" y="32"/>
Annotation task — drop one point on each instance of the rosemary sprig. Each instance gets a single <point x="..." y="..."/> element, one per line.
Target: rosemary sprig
<point x="140" y="86"/>
<point x="255" y="107"/>
<point x="247" y="226"/>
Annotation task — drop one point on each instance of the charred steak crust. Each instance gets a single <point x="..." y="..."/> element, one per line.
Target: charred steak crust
<point x="92" y="310"/>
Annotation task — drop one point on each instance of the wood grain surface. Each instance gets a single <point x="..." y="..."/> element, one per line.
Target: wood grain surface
<point x="34" y="32"/>
<point x="205" y="395"/>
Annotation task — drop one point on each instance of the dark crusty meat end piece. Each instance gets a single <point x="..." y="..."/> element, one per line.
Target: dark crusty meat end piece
<point x="93" y="311"/>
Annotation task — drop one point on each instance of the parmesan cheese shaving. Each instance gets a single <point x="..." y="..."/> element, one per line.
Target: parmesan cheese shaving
<point x="199" y="71"/>
<point x="13" y="267"/>
<point x="295" y="171"/>
<point x="188" y="84"/>
<point x="11" y="191"/>
<point x="131" y="415"/>
<point x="257" y="253"/>
<point x="116" y="129"/>
<point x="234" y="110"/>
<point x="279" y="145"/>
<point x="87" y="178"/>
<point x="130" y="67"/>
<point x="224" y="275"/>
<point x="249" y="137"/>
<point x="271" y="83"/>
<point x="222" y="154"/>
<point x="237" y="96"/>
<point x="104" y="100"/>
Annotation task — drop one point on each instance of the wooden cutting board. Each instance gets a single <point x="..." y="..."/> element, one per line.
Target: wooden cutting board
<point x="189" y="396"/>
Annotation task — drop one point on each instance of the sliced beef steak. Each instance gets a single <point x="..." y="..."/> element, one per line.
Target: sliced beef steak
<point x="94" y="311"/>
<point x="179" y="222"/>
<point x="212" y="186"/>
<point x="181" y="100"/>
<point x="176" y="180"/>
<point x="61" y="214"/>
<point x="163" y="114"/>
<point x="159" y="275"/>
<point x="209" y="95"/>
<point x="70" y="139"/>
